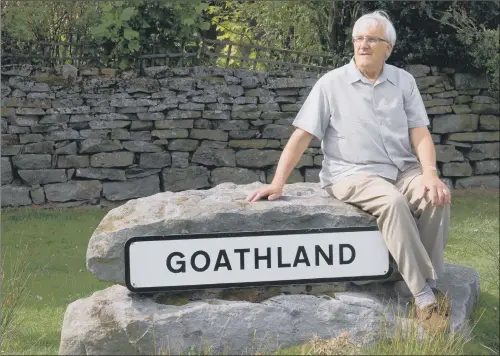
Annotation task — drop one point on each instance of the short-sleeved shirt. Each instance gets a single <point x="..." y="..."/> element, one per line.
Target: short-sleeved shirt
<point x="363" y="127"/>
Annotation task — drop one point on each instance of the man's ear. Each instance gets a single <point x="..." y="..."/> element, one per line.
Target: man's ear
<point x="388" y="51"/>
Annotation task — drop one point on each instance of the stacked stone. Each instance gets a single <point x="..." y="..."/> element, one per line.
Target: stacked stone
<point x="103" y="136"/>
<point x="465" y="125"/>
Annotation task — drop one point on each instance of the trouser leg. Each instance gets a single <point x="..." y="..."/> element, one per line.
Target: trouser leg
<point x="396" y="223"/>
<point x="432" y="221"/>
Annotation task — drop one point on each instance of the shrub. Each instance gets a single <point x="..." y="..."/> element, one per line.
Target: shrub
<point x="484" y="48"/>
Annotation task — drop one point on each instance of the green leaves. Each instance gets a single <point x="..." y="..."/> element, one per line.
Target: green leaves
<point x="128" y="13"/>
<point x="205" y="26"/>
<point x="100" y="31"/>
<point x="124" y="64"/>
<point x="134" y="27"/>
<point x="130" y="34"/>
<point x="48" y="20"/>
<point x="134" y="45"/>
<point x="187" y="21"/>
<point x="201" y="7"/>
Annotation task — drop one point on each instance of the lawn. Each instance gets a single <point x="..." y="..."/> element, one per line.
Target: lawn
<point x="55" y="242"/>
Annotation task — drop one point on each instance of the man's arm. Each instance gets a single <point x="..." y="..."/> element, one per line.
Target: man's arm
<point x="292" y="152"/>
<point x="312" y="119"/>
<point x="421" y="140"/>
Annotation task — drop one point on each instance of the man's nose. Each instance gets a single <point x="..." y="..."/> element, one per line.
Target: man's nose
<point x="363" y="45"/>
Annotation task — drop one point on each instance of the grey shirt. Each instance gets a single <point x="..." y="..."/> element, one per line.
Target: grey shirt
<point x="363" y="127"/>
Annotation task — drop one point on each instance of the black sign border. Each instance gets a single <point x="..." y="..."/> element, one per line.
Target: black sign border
<point x="245" y="284"/>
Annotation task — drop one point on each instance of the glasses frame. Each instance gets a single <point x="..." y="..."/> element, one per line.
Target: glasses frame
<point x="369" y="39"/>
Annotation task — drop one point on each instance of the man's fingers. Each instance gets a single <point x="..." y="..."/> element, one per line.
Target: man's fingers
<point x="433" y="195"/>
<point x="444" y="199"/>
<point x="251" y="196"/>
<point x="261" y="194"/>
<point x="270" y="193"/>
<point x="422" y="193"/>
<point x="254" y="196"/>
<point x="440" y="196"/>
<point x="257" y="196"/>
<point x="274" y="196"/>
<point x="447" y="195"/>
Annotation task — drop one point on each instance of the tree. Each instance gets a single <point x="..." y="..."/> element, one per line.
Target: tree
<point x="132" y="28"/>
<point x="480" y="38"/>
<point x="314" y="26"/>
<point x="423" y="38"/>
<point x="27" y="25"/>
<point x="324" y="26"/>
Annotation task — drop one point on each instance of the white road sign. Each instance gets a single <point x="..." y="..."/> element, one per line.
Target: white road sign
<point x="218" y="260"/>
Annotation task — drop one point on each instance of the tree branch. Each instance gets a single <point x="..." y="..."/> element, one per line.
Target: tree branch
<point x="236" y="33"/>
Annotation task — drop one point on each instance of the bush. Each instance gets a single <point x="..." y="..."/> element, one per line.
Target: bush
<point x="484" y="49"/>
<point x="478" y="37"/>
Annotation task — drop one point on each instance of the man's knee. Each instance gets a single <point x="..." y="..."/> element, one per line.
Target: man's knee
<point x="397" y="200"/>
<point x="394" y="201"/>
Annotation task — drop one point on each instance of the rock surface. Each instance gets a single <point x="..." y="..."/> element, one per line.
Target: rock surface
<point x="117" y="322"/>
<point x="220" y="209"/>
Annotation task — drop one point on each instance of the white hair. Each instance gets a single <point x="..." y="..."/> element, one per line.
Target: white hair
<point x="376" y="18"/>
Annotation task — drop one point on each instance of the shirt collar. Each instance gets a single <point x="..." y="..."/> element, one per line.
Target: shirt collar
<point x="354" y="74"/>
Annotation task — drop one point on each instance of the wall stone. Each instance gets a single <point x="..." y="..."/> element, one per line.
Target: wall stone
<point x="104" y="136"/>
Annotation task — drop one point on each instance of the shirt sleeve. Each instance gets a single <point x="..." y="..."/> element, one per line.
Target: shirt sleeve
<point x="314" y="115"/>
<point x="415" y="108"/>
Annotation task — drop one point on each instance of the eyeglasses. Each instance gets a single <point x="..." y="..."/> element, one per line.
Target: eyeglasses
<point x="369" y="40"/>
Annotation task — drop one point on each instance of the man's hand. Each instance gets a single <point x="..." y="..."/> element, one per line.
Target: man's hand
<point x="437" y="190"/>
<point x="292" y="152"/>
<point x="272" y="192"/>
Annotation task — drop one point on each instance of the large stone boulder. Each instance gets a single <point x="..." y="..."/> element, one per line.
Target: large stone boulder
<point x="117" y="322"/>
<point x="220" y="209"/>
<point x="237" y="320"/>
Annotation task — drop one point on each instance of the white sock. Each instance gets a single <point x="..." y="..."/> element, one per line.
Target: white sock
<point x="425" y="296"/>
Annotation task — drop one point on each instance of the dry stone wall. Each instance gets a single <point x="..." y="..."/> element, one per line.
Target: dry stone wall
<point x="99" y="136"/>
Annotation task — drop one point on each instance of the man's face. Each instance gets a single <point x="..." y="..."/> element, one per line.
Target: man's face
<point x="370" y="48"/>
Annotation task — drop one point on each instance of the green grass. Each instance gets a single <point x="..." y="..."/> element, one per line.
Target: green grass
<point x="56" y="243"/>
<point x="474" y="241"/>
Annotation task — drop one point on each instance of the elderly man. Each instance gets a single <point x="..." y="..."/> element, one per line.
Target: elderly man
<point x="368" y="115"/>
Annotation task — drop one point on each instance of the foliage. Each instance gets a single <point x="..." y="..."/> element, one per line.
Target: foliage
<point x="484" y="47"/>
<point x="26" y="25"/>
<point x="428" y="31"/>
<point x="49" y="20"/>
<point x="232" y="25"/>
<point x="422" y="38"/>
<point x="325" y="26"/>
<point x="134" y="27"/>
<point x="482" y="44"/>
<point x="314" y="26"/>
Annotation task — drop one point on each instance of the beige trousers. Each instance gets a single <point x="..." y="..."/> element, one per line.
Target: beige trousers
<point x="414" y="231"/>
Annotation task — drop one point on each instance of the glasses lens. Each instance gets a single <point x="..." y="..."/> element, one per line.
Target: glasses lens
<point x="369" y="40"/>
